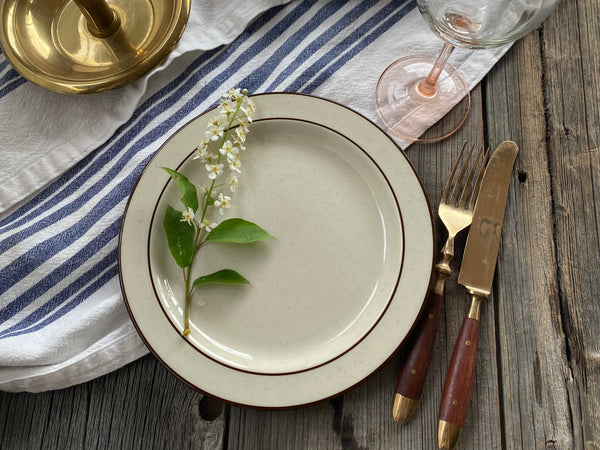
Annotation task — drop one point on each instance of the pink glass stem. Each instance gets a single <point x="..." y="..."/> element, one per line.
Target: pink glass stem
<point x="427" y="87"/>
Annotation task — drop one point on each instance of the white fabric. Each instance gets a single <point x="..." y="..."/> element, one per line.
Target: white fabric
<point x="43" y="135"/>
<point x="43" y="132"/>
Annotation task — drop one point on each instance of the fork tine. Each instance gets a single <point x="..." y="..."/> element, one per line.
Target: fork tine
<point x="479" y="178"/>
<point x="467" y="185"/>
<point x="458" y="185"/>
<point x="454" y="167"/>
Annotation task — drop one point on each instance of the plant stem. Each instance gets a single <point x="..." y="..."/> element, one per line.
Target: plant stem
<point x="198" y="237"/>
<point x="187" y="275"/>
<point x="223" y="139"/>
<point x="186" y="309"/>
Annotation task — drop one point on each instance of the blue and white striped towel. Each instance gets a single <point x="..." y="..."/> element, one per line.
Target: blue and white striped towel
<point x="68" y="164"/>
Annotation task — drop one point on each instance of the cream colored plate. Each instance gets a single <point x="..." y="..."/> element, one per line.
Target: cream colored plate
<point x="329" y="300"/>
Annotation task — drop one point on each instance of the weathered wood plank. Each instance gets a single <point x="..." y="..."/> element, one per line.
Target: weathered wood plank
<point x="315" y="427"/>
<point x="533" y="363"/>
<point x="572" y="57"/>
<point x="138" y="407"/>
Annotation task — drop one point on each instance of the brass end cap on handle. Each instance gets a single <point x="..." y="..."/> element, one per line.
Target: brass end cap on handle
<point x="448" y="435"/>
<point x="403" y="409"/>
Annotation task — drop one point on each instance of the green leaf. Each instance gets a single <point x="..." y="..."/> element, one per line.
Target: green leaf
<point x="237" y="231"/>
<point x="180" y="237"/>
<point x="225" y="276"/>
<point x="189" y="195"/>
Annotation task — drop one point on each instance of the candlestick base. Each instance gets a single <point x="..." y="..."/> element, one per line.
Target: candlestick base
<point x="53" y="44"/>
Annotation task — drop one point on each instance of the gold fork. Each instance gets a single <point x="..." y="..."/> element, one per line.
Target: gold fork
<point x="456" y="213"/>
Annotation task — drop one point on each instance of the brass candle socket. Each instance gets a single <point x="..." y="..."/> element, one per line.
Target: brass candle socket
<point x="102" y="21"/>
<point x="89" y="46"/>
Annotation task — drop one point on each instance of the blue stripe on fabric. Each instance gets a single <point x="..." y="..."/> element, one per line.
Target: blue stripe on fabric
<point x="67" y="292"/>
<point x="76" y="177"/>
<point x="19" y="268"/>
<point x="258" y="82"/>
<point x="26" y="263"/>
<point x="320" y="41"/>
<point x="10" y="75"/>
<point x="345" y="44"/>
<point x="12" y="86"/>
<point x="147" y="112"/>
<point x="3" y="64"/>
<point x="11" y="272"/>
<point x="72" y="208"/>
<point x="259" y="75"/>
<point x="111" y="272"/>
<point x="113" y="151"/>
<point x="197" y="95"/>
<point x="292" y="42"/>
<point x="359" y="47"/>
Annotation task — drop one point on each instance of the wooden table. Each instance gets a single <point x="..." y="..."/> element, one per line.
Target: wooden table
<point x="538" y="370"/>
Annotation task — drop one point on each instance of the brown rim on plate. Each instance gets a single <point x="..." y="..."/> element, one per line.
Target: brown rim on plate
<point x="391" y="296"/>
<point x="392" y="341"/>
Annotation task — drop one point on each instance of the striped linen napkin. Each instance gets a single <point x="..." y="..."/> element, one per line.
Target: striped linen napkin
<point x="62" y="317"/>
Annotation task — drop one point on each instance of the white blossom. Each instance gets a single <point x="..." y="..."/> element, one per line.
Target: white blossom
<point x="237" y="94"/>
<point x="248" y="107"/>
<point x="233" y="183"/>
<point x="207" y="225"/>
<point x="242" y="131"/>
<point x="214" y="170"/>
<point x="230" y="150"/>
<point x="239" y="145"/>
<point x="222" y="202"/>
<point x="204" y="155"/>
<point x="203" y="145"/>
<point x="235" y="165"/>
<point x="210" y="158"/>
<point x="187" y="215"/>
<point x="229" y="127"/>
<point x="216" y="128"/>
<point x="228" y="106"/>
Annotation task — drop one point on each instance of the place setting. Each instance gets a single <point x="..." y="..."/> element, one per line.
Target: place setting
<point x="328" y="299"/>
<point x="244" y="208"/>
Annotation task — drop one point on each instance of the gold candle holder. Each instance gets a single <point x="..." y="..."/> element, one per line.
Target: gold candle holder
<point x="89" y="46"/>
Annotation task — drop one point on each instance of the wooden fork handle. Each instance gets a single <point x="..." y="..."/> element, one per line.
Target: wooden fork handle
<point x="458" y="385"/>
<point x="415" y="364"/>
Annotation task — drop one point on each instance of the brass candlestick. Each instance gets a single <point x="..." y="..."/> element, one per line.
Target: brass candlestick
<point x="88" y="46"/>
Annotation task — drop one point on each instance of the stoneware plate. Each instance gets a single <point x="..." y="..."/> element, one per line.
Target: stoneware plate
<point x="330" y="299"/>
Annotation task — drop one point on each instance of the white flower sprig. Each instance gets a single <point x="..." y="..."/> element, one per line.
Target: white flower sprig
<point x="229" y="127"/>
<point x="219" y="151"/>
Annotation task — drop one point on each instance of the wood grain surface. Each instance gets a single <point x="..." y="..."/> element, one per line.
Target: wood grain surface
<point x="537" y="376"/>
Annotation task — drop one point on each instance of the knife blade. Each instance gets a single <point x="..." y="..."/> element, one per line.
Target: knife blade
<point x="476" y="275"/>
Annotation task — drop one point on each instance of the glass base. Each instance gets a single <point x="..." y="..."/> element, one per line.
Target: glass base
<point x="407" y="113"/>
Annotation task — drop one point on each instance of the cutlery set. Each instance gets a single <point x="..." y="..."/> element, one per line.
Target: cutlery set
<point x="477" y="201"/>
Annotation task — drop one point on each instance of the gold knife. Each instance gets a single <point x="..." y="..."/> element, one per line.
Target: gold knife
<point x="476" y="274"/>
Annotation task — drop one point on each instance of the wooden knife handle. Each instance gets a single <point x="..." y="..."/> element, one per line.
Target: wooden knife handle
<point x="459" y="382"/>
<point x="413" y="371"/>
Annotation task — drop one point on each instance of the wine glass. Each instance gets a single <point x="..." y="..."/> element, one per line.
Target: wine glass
<point x="415" y="91"/>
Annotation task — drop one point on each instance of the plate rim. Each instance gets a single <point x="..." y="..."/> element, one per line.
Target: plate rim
<point x="390" y="296"/>
<point x="371" y="371"/>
